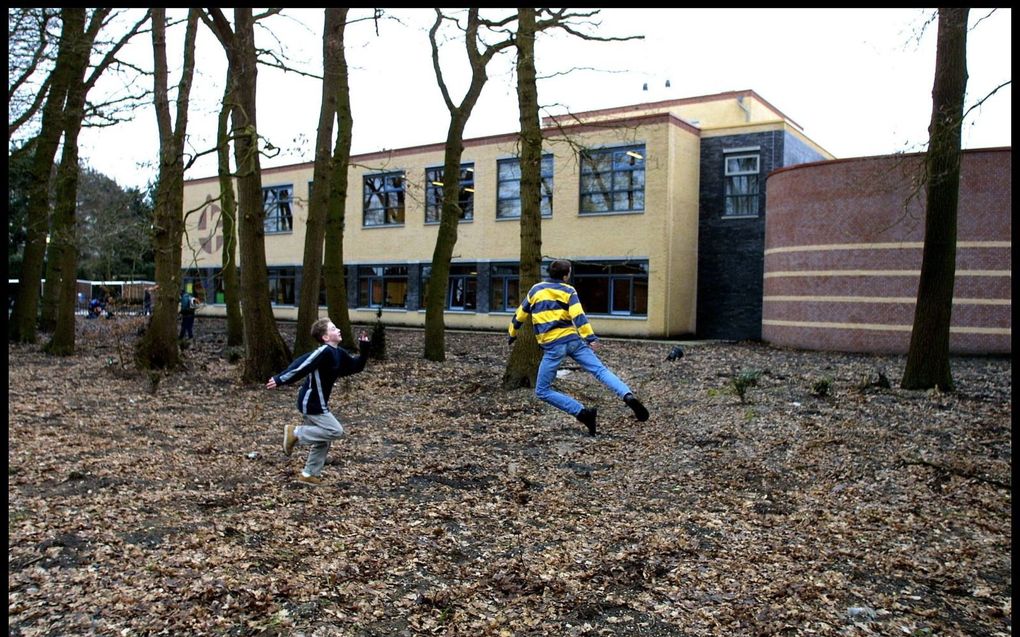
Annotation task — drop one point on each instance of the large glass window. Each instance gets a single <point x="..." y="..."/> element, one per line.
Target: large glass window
<point x="613" y="180"/>
<point x="276" y="202"/>
<point x="508" y="188"/>
<point x="504" y="287"/>
<point x="741" y="185"/>
<point x="382" y="286"/>
<point x="612" y="288"/>
<point x="434" y="193"/>
<point x="282" y="289"/>
<point x="383" y="201"/>
<point x="462" y="289"/>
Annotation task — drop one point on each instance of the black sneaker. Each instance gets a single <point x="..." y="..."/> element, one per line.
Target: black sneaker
<point x="588" y="416"/>
<point x="639" y="410"/>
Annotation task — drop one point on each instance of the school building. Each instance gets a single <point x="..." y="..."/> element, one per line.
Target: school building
<point x="661" y="207"/>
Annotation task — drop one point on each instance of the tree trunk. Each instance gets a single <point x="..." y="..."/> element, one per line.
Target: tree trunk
<point x="266" y="352"/>
<point x="435" y="302"/>
<point x="228" y="215"/>
<point x="64" y="235"/>
<point x="522" y="366"/>
<point x="318" y="204"/>
<point x="439" y="279"/>
<point x="333" y="263"/>
<point x="928" y="357"/>
<point x="158" y="348"/>
<point x="23" y="322"/>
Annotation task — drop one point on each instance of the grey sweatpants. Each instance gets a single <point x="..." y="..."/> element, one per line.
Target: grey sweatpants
<point x="318" y="431"/>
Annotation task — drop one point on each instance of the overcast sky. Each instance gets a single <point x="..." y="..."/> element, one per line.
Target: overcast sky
<point x="857" y="80"/>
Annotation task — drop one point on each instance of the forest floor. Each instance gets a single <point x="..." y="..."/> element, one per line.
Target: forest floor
<point x="822" y="502"/>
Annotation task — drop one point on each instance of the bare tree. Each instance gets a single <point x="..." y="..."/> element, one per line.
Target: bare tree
<point x="265" y="350"/>
<point x="928" y="357"/>
<point x="522" y="365"/>
<point x="478" y="55"/>
<point x="228" y="219"/>
<point x="333" y="262"/>
<point x="23" y="322"/>
<point x="334" y="82"/>
<point x="158" y="348"/>
<point x="29" y="51"/>
<point x="525" y="357"/>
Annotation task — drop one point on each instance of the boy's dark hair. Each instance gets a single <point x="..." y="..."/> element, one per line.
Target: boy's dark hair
<point x="559" y="269"/>
<point x="319" y="329"/>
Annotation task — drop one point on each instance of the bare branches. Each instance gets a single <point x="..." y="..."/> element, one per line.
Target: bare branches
<point x="985" y="98"/>
<point x="29" y="47"/>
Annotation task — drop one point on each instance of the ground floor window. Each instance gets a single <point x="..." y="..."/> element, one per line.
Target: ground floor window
<point x="612" y="287"/>
<point x="504" y="287"/>
<point x="462" y="289"/>
<point x="382" y="286"/>
<point x="282" y="289"/>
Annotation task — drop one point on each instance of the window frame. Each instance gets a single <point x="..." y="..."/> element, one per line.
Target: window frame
<point x="278" y="212"/>
<point x="391" y="215"/>
<point x="735" y="204"/>
<point x="614" y="273"/>
<point x="622" y="179"/>
<point x="434" y="178"/>
<point x="385" y="275"/>
<point x="466" y="272"/>
<point x="282" y="285"/>
<point x="546" y="184"/>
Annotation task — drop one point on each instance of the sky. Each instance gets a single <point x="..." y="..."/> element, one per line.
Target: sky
<point x="858" y="81"/>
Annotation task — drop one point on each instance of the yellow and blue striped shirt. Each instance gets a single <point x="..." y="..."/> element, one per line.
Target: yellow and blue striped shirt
<point x="556" y="314"/>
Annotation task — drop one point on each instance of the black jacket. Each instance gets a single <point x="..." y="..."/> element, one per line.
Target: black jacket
<point x="320" y="369"/>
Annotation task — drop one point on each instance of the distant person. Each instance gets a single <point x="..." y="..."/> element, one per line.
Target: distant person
<point x="320" y="368"/>
<point x="188" y="305"/>
<point x="147" y="302"/>
<point x="562" y="330"/>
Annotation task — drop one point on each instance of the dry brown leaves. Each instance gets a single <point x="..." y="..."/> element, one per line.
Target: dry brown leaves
<point x="146" y="505"/>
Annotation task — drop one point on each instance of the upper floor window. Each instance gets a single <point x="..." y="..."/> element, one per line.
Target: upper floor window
<point x="382" y="286"/>
<point x="613" y="180"/>
<point x="434" y="193"/>
<point x="276" y="202"/>
<point x="383" y="199"/>
<point x="612" y="288"/>
<point x="508" y="190"/>
<point x="741" y="185"/>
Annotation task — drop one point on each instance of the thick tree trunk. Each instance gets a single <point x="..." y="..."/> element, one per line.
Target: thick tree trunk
<point x="333" y="263"/>
<point x="64" y="235"/>
<point x="522" y="366"/>
<point x="266" y="351"/>
<point x="439" y="279"/>
<point x="928" y="358"/>
<point x="24" y="319"/>
<point x="333" y="68"/>
<point x="158" y="347"/>
<point x="435" y="301"/>
<point x="228" y="216"/>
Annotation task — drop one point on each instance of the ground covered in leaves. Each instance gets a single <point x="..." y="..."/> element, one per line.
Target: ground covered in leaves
<point x="821" y="502"/>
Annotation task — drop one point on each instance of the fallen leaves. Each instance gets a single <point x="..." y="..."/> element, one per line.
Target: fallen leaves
<point x="453" y="507"/>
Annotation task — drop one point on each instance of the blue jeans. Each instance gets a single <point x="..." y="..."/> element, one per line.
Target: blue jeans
<point x="581" y="352"/>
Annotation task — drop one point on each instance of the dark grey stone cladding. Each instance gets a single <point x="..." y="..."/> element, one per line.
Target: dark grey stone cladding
<point x="731" y="252"/>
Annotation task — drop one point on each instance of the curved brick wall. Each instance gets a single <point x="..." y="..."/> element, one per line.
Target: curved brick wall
<point x="843" y="245"/>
